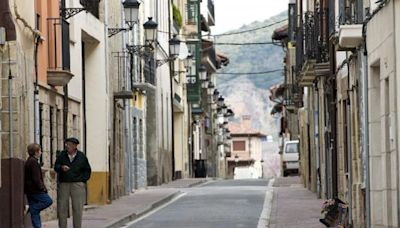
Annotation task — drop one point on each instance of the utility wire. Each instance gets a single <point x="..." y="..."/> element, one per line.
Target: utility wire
<point x="250" y="30"/>
<point x="232" y="33"/>
<point x="263" y="72"/>
<point x="255" y="43"/>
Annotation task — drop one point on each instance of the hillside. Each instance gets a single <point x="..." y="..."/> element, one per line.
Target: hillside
<point x="252" y="58"/>
<point x="248" y="94"/>
<point x="240" y="89"/>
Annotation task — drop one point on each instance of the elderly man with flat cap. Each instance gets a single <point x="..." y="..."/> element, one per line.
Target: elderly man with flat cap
<point x="73" y="171"/>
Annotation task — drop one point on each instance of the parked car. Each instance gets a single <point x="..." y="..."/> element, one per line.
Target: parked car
<point x="290" y="157"/>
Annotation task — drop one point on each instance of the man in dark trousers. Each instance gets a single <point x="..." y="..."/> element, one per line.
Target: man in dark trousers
<point x="73" y="171"/>
<point x="35" y="190"/>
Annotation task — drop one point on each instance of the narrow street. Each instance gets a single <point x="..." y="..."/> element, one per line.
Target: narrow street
<point x="226" y="203"/>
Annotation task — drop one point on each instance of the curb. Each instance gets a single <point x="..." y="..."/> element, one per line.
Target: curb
<point x="118" y="222"/>
<point x="197" y="183"/>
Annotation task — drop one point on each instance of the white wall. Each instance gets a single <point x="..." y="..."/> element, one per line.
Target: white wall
<point x="85" y="27"/>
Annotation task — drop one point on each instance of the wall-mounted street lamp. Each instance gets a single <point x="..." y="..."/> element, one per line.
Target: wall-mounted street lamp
<point x="204" y="84"/>
<point x="150" y="30"/>
<point x="150" y="35"/>
<point x="188" y="61"/>
<point x="174" y="50"/>
<point x="210" y="88"/>
<point x="131" y="13"/>
<point x="220" y="101"/>
<point x="203" y="73"/>
<point x="236" y="159"/>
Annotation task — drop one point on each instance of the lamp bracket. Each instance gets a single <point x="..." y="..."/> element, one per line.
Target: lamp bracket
<point x="140" y="50"/>
<point x="114" y="31"/>
<point x="70" y="12"/>
<point x="161" y="62"/>
<point x="179" y="72"/>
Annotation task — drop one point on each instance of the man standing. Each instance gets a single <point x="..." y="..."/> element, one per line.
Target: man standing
<point x="73" y="171"/>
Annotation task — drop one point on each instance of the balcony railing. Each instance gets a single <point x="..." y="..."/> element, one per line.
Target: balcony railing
<point x="58" y="71"/>
<point x="150" y="70"/>
<point x="58" y="44"/>
<point x="292" y="22"/>
<point x="92" y="6"/>
<point x="310" y="36"/>
<point x="121" y="82"/>
<point x="211" y="12"/>
<point x="212" y="56"/>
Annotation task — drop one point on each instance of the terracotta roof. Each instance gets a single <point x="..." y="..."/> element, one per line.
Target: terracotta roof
<point x="241" y="129"/>
<point x="280" y="33"/>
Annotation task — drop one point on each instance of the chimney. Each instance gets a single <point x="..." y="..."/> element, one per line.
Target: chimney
<point x="246" y="122"/>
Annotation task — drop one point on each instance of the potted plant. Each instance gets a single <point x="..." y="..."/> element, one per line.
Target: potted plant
<point x="330" y="211"/>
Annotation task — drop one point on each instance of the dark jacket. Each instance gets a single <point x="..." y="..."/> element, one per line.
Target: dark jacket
<point x="79" y="168"/>
<point x="33" y="177"/>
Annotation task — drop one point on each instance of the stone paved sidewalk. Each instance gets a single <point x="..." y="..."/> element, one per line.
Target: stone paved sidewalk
<point x="294" y="206"/>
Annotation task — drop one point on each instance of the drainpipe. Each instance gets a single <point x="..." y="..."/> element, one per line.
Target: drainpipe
<point x="348" y="142"/>
<point x="396" y="110"/>
<point x="10" y="115"/>
<point x="171" y="85"/>
<point x="316" y="136"/>
<point x="127" y="116"/>
<point x="365" y="142"/>
<point x="36" y="95"/>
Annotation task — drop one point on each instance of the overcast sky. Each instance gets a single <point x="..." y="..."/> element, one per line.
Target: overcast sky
<point x="231" y="14"/>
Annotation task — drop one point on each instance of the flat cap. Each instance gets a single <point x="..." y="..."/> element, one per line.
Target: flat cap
<point x="72" y="139"/>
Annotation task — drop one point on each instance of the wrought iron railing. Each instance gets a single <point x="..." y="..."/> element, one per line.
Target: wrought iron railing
<point x="58" y="44"/>
<point x="91" y="6"/>
<point x="212" y="56"/>
<point x="299" y="48"/>
<point x="292" y="22"/>
<point x="211" y="10"/>
<point x="122" y="61"/>
<point x="150" y="70"/>
<point x="310" y="35"/>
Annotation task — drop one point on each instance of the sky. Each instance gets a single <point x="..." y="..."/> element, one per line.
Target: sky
<point x="232" y="14"/>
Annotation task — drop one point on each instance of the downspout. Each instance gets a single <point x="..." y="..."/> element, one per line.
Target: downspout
<point x="171" y="85"/>
<point x="36" y="94"/>
<point x="396" y="110"/>
<point x="348" y="142"/>
<point x="127" y="116"/>
<point x="10" y="116"/>
<point x="65" y="91"/>
<point x="365" y="142"/>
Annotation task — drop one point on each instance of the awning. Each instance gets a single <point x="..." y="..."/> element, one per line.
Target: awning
<point x="280" y="33"/>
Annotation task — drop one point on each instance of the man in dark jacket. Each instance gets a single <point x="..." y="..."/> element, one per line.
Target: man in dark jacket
<point x="73" y="171"/>
<point x="35" y="190"/>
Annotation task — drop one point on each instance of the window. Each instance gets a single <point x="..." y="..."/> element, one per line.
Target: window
<point x="192" y="12"/>
<point x="291" y="148"/>
<point x="239" y="145"/>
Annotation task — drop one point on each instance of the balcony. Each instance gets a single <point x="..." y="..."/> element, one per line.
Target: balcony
<point x="314" y="60"/>
<point x="192" y="17"/>
<point x="209" y="57"/>
<point x="120" y="84"/>
<point x="58" y="71"/>
<point x="350" y="36"/>
<point x="92" y="6"/>
<point x="211" y="13"/>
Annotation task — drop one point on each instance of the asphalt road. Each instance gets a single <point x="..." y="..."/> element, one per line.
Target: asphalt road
<point x="218" y="204"/>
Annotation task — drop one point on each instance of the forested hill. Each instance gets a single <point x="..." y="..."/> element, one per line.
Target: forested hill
<point x="252" y="58"/>
<point x="247" y="94"/>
